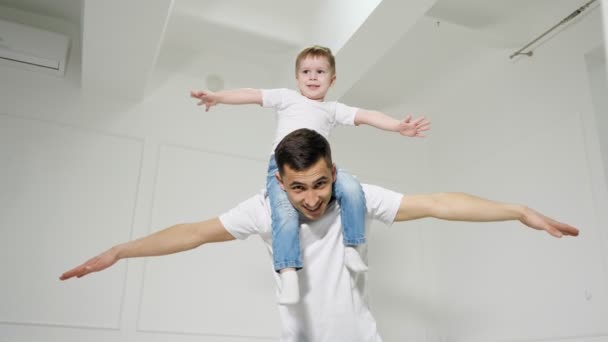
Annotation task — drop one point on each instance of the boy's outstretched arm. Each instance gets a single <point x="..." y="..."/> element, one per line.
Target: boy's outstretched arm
<point x="465" y="207"/>
<point x="406" y="127"/>
<point x="177" y="238"/>
<point x="234" y="96"/>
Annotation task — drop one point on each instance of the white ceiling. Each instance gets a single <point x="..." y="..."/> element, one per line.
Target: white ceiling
<point x="397" y="42"/>
<point x="428" y="51"/>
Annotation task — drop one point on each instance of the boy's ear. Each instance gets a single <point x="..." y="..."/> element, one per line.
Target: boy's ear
<point x="333" y="80"/>
<point x="278" y="177"/>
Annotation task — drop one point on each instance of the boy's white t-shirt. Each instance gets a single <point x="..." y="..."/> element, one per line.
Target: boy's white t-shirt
<point x="334" y="304"/>
<point x="295" y="111"/>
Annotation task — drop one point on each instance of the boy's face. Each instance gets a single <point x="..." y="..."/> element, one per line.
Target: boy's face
<point x="309" y="191"/>
<point x="315" y="77"/>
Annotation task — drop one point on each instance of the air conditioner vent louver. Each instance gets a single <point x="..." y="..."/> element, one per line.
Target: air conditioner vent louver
<point x="32" y="48"/>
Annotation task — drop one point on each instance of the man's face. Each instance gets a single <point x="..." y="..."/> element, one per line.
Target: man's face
<point x="309" y="191"/>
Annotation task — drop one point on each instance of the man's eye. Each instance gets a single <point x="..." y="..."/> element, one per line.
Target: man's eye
<point x="320" y="185"/>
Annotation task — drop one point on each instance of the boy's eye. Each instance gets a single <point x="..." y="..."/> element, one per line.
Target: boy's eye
<point x="320" y="71"/>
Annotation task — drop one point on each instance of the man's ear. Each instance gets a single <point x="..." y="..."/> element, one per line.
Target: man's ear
<point x="278" y="177"/>
<point x="333" y="173"/>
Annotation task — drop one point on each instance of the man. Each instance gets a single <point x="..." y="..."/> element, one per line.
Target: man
<point x="334" y="306"/>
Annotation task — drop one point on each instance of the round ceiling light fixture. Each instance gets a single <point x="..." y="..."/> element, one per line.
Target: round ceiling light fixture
<point x="214" y="82"/>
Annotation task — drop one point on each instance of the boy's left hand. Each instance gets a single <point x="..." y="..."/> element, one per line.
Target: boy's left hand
<point x="414" y="128"/>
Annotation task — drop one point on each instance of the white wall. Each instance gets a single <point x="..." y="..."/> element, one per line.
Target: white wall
<point x="605" y="20"/>
<point x="515" y="130"/>
<point x="598" y="122"/>
<point x="82" y="172"/>
<point x="596" y="66"/>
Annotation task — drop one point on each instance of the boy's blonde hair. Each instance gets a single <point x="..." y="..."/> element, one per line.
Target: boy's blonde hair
<point x="317" y="51"/>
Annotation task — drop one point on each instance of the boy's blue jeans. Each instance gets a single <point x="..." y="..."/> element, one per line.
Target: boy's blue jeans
<point x="286" y="224"/>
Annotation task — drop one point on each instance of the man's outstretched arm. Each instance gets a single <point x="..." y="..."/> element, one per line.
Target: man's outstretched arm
<point x="464" y="207"/>
<point x="177" y="238"/>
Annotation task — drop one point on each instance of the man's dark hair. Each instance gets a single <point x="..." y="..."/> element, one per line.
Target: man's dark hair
<point x="301" y="149"/>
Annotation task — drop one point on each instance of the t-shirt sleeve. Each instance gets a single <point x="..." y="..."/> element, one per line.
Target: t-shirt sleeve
<point x="345" y="115"/>
<point x="246" y="218"/>
<point x="382" y="204"/>
<point x="273" y="97"/>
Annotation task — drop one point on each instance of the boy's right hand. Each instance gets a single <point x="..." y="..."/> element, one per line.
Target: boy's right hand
<point x="206" y="97"/>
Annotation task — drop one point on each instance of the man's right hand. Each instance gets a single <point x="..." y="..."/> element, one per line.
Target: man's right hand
<point x="96" y="264"/>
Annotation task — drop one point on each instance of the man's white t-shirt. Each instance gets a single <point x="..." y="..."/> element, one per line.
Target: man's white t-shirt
<point x="334" y="304"/>
<point x="295" y="111"/>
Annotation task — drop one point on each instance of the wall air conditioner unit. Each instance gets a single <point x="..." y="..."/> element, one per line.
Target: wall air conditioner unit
<point x="32" y="48"/>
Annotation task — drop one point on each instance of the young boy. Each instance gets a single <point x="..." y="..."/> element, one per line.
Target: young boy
<point x="315" y="74"/>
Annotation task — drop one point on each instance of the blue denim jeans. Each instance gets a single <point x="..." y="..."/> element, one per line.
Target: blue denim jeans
<point x="286" y="224"/>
